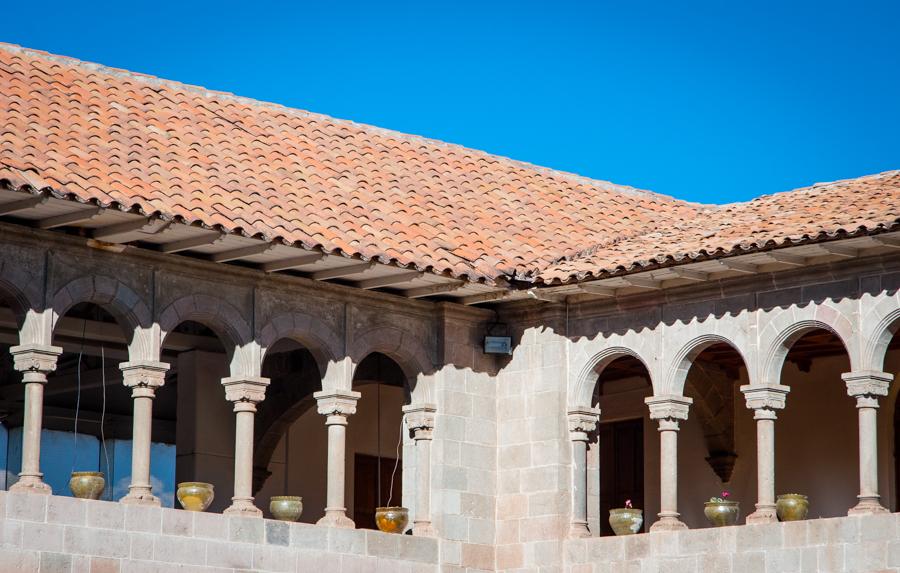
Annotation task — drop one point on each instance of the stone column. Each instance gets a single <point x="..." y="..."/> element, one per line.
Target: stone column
<point x="35" y="361"/>
<point x="764" y="401"/>
<point x="336" y="406"/>
<point x="867" y="387"/>
<point x="420" y="421"/>
<point x="143" y="377"/>
<point x="246" y="392"/>
<point x="668" y="410"/>
<point x="582" y="421"/>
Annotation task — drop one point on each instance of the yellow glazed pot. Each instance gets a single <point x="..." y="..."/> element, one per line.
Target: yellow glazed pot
<point x="722" y="513"/>
<point x="195" y="495"/>
<point x="286" y="507"/>
<point x="625" y="520"/>
<point x="792" y="507"/>
<point x="392" y="519"/>
<point x="87" y="485"/>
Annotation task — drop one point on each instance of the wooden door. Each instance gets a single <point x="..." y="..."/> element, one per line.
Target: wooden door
<point x="365" y="487"/>
<point x="621" y="448"/>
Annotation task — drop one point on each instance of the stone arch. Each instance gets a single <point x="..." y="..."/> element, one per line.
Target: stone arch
<point x="686" y="356"/>
<point x="587" y="378"/>
<point x="310" y="331"/>
<point x="126" y="306"/>
<point x="406" y="350"/>
<point x="774" y="354"/>
<point x="13" y="287"/>
<point x="877" y="338"/>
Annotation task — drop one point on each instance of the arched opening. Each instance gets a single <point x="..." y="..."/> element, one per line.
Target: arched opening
<point x="623" y="453"/>
<point x="193" y="401"/>
<point x="889" y="432"/>
<point x="816" y="444"/>
<point x="717" y="443"/>
<point x="11" y="393"/>
<point x="375" y="438"/>
<point x="290" y="453"/>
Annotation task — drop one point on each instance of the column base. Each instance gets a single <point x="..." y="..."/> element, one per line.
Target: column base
<point x="31" y="484"/>
<point x="423" y="529"/>
<point x="668" y="523"/>
<point x="868" y="505"/>
<point x="242" y="507"/>
<point x="336" y="518"/>
<point x="579" y="530"/>
<point x="141" y="497"/>
<point x="763" y="514"/>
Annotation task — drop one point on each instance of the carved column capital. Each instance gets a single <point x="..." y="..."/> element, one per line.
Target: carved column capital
<point x="420" y="420"/>
<point x="582" y="421"/>
<point x="337" y="405"/>
<point x="244" y="390"/>
<point x="867" y="386"/>
<point x="143" y="377"/>
<point x="669" y="410"/>
<point x="765" y="400"/>
<point x="35" y="360"/>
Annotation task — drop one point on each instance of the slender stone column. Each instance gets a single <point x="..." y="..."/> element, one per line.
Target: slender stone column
<point x="246" y="393"/>
<point x="867" y="387"/>
<point x="420" y="421"/>
<point x="582" y="421"/>
<point x="34" y="361"/>
<point x="143" y="377"/>
<point x="336" y="406"/>
<point x="764" y="401"/>
<point x="669" y="410"/>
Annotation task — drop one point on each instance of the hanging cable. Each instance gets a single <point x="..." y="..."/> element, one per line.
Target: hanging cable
<point x="396" y="463"/>
<point x="103" y="412"/>
<point x="378" y="432"/>
<point x="78" y="391"/>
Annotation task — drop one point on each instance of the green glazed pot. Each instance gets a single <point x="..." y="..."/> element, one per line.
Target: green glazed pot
<point x="195" y="495"/>
<point x="286" y="507"/>
<point x="87" y="485"/>
<point x="392" y="519"/>
<point x="792" y="507"/>
<point x="626" y="521"/>
<point x="722" y="513"/>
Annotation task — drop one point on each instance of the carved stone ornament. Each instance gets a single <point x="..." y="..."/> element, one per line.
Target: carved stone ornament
<point x="765" y="397"/>
<point x="420" y="419"/>
<point x="583" y="420"/>
<point x="245" y="389"/>
<point x="35" y="357"/>
<point x="867" y="383"/>
<point x="337" y="403"/>
<point x="669" y="407"/>
<point x="144" y="373"/>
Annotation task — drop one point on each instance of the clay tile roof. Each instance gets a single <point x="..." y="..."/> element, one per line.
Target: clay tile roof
<point x="135" y="142"/>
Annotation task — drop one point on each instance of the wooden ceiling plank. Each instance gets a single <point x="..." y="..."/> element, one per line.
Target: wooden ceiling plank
<point x="389" y="280"/>
<point x="22" y="204"/>
<point x="79" y="216"/>
<point x="241" y="252"/>
<point x="192" y="242"/>
<point x="292" y="262"/>
<point x="341" y="272"/>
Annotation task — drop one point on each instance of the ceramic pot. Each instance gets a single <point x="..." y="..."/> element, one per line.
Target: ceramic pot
<point x="792" y="507"/>
<point x="722" y="513"/>
<point x="286" y="507"/>
<point x="195" y="495"/>
<point x="87" y="485"/>
<point x="392" y="519"/>
<point x="625" y="520"/>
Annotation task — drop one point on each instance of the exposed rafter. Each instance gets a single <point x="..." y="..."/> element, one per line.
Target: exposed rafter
<point x="885" y="241"/>
<point x="433" y="290"/>
<point x="739" y="267"/>
<point x="786" y="258"/>
<point x="597" y="290"/>
<point x="22" y="204"/>
<point x="689" y="274"/>
<point x="129" y="230"/>
<point x="192" y="242"/>
<point x="641" y="282"/>
<point x="242" y="252"/>
<point x="389" y="280"/>
<point x="839" y="250"/>
<point x="292" y="262"/>
<point x="484" y="297"/>
<point x="79" y="216"/>
<point x="340" y="272"/>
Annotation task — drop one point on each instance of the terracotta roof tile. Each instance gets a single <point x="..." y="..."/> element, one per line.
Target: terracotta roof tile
<point x="136" y="142"/>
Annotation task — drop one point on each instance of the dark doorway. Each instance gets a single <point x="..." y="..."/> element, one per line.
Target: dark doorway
<point x="897" y="450"/>
<point x="621" y="449"/>
<point x="365" y="487"/>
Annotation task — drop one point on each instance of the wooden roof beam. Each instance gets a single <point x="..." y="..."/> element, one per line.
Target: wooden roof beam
<point x="129" y="230"/>
<point x="341" y="272"/>
<point x="22" y="204"/>
<point x="241" y="252"/>
<point x="79" y="216"/>
<point x="421" y="292"/>
<point x="389" y="280"/>
<point x="192" y="242"/>
<point x="292" y="262"/>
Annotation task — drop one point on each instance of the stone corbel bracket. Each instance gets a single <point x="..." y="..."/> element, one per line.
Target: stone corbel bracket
<point x="420" y="420"/>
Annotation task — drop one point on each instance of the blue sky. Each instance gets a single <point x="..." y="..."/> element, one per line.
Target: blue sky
<point x="706" y="101"/>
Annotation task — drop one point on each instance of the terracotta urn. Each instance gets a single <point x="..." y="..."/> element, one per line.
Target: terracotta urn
<point x="792" y="507"/>
<point x="392" y="519"/>
<point x="626" y="520"/>
<point x="721" y="513"/>
<point x="286" y="507"/>
<point x="87" y="485"/>
<point x="195" y="495"/>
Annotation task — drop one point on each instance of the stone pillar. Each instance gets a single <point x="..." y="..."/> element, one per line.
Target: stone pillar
<point x="867" y="387"/>
<point x="336" y="406"/>
<point x="420" y="421"/>
<point x="246" y="392"/>
<point x="582" y="421"/>
<point x="143" y="377"/>
<point x="764" y="401"/>
<point x="669" y="410"/>
<point x="35" y="361"/>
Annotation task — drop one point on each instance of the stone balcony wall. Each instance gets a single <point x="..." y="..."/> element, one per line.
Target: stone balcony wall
<point x="839" y="545"/>
<point x="54" y="534"/>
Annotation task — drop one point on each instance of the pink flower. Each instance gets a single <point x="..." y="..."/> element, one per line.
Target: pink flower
<point x="628" y="503"/>
<point x="725" y="494"/>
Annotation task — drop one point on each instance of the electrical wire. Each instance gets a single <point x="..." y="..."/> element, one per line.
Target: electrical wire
<point x="396" y="463"/>
<point x="78" y="392"/>
<point x="103" y="412"/>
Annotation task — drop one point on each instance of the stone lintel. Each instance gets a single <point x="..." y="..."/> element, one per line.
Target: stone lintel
<point x="765" y="397"/>
<point x="670" y="407"/>
<point x="420" y="419"/>
<point x="245" y="388"/>
<point x="144" y="373"/>
<point x="35" y="357"/>
<point x="336" y="402"/>
<point x="583" y="419"/>
<point x="867" y="383"/>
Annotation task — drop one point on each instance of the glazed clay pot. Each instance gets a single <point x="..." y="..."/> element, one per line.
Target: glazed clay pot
<point x="626" y="521"/>
<point x="792" y="507"/>
<point x="392" y="519"/>
<point x="87" y="485"/>
<point x="722" y="513"/>
<point x="195" y="495"/>
<point x="286" y="507"/>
